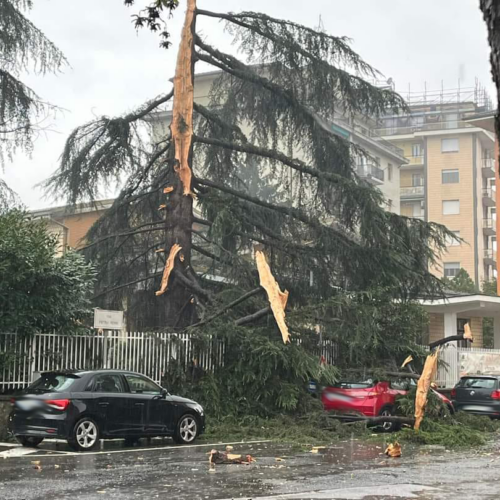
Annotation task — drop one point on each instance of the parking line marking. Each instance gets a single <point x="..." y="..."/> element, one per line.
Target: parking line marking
<point x="142" y="450"/>
<point x="10" y="445"/>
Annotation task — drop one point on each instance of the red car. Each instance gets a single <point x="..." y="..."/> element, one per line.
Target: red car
<point x="369" y="398"/>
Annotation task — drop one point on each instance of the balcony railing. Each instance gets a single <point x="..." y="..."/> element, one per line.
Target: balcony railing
<point x="489" y="195"/>
<point x="368" y="132"/>
<point x="408" y="129"/>
<point x="370" y="170"/>
<point x="489" y="254"/>
<point x="488" y="167"/>
<point x="415" y="160"/>
<point x="488" y="163"/>
<point x="412" y="192"/>
<point x="489" y="223"/>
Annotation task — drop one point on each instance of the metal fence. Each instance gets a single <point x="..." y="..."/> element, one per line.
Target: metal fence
<point x="459" y="361"/>
<point x="147" y="353"/>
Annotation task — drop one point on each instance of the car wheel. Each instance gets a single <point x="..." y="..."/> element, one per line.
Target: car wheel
<point x="187" y="430"/>
<point x="387" y="426"/>
<point x="29" y="441"/>
<point x="85" y="435"/>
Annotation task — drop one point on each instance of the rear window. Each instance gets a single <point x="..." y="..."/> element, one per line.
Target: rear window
<point x="366" y="384"/>
<point x="477" y="383"/>
<point x="53" y="382"/>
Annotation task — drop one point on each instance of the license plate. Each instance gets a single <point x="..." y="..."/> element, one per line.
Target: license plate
<point x="28" y="405"/>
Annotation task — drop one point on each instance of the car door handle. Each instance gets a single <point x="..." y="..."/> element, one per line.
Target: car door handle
<point x="103" y="404"/>
<point x="139" y="404"/>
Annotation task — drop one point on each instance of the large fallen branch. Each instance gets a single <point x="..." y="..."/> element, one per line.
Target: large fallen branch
<point x="226" y="308"/>
<point x="375" y="420"/>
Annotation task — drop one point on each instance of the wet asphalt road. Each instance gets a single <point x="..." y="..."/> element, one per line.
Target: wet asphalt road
<point x="347" y="470"/>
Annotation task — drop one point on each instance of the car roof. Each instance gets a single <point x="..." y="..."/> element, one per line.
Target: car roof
<point x="90" y="372"/>
<point x="483" y="375"/>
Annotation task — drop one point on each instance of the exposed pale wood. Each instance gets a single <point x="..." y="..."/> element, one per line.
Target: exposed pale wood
<point x="182" y="114"/>
<point x="423" y="386"/>
<point x="168" y="269"/>
<point x="277" y="298"/>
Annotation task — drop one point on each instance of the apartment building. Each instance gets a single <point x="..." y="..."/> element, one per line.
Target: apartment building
<point x="71" y="224"/>
<point x="381" y="168"/>
<point x="449" y="175"/>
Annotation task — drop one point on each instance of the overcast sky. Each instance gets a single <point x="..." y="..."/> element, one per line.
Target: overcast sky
<point x="114" y="69"/>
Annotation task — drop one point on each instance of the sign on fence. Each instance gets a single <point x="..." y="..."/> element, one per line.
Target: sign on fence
<point x="108" y="320"/>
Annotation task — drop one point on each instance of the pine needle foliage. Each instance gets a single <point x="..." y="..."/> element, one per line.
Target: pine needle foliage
<point x="269" y="170"/>
<point x="23" y="47"/>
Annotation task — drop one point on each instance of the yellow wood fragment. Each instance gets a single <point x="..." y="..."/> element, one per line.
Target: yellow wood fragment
<point x="168" y="268"/>
<point x="160" y="250"/>
<point x="168" y="189"/>
<point x="409" y="359"/>
<point x="182" y="113"/>
<point x="277" y="298"/>
<point x="162" y="207"/>
<point x="468" y="333"/>
<point x="424" y="383"/>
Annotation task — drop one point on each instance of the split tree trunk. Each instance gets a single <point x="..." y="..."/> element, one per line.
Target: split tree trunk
<point x="179" y="307"/>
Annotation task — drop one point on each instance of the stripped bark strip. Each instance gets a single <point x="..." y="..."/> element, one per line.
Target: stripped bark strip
<point x="169" y="265"/>
<point x="277" y="298"/>
<point x="182" y="115"/>
<point x="423" y="386"/>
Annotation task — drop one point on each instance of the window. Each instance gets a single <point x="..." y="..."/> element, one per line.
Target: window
<point x="416" y="149"/>
<point x="450" y="242"/>
<point x="108" y="383"/>
<point x="141" y="385"/>
<point x="449" y="145"/>
<point x="389" y="172"/>
<point x="478" y="383"/>
<point x="53" y="382"/>
<point x="450" y="176"/>
<point x="417" y="180"/>
<point x="451" y="120"/>
<point x="451" y="207"/>
<point x="451" y="269"/>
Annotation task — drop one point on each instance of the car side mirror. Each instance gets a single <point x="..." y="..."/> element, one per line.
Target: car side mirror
<point x="164" y="392"/>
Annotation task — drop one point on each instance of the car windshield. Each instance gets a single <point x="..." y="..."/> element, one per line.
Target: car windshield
<point x="52" y="382"/>
<point x="477" y="383"/>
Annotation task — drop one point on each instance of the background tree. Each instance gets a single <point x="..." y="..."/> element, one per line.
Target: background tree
<point x="40" y="292"/>
<point x="266" y="169"/>
<point x="462" y="282"/>
<point x="23" y="47"/>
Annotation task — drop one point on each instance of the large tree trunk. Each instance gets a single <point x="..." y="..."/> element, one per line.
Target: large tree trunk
<point x="491" y="13"/>
<point x="179" y="300"/>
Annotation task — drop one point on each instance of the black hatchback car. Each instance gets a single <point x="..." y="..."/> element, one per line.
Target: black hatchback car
<point x="479" y="394"/>
<point x="86" y="406"/>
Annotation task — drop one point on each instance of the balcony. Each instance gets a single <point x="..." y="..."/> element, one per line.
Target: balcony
<point x="489" y="257"/>
<point x="488" y="168"/>
<point x="412" y="192"/>
<point x="489" y="227"/>
<point x="415" y="160"/>
<point x="489" y="195"/>
<point x="420" y="127"/>
<point x="371" y="173"/>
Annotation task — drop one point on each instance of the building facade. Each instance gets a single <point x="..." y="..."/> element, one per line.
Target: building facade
<point x="381" y="167"/>
<point x="449" y="176"/>
<point x="70" y="224"/>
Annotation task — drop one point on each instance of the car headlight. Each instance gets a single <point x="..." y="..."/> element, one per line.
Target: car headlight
<point x="198" y="408"/>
